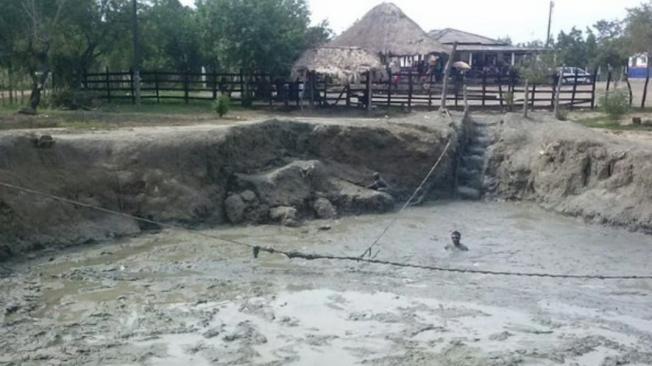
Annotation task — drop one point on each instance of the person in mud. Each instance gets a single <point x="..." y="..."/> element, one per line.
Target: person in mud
<point x="379" y="184"/>
<point x="456" y="245"/>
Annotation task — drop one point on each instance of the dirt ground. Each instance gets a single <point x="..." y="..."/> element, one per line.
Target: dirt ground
<point x="173" y="298"/>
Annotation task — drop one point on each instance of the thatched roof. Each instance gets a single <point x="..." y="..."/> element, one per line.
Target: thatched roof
<point x="386" y="30"/>
<point x="344" y="63"/>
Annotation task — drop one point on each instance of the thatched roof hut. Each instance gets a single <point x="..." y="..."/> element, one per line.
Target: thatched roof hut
<point x="387" y="31"/>
<point x="343" y="63"/>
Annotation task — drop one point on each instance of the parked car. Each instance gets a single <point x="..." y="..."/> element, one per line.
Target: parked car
<point x="568" y="73"/>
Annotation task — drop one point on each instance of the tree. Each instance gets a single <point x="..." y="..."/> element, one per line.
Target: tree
<point x="171" y="37"/>
<point x="505" y="40"/>
<point x="318" y="35"/>
<point x="39" y="30"/>
<point x="572" y="49"/>
<point x="89" y="31"/>
<point x="638" y="28"/>
<point x="255" y="35"/>
<point x="610" y="45"/>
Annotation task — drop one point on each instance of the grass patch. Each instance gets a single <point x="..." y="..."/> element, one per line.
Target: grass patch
<point x="604" y="122"/>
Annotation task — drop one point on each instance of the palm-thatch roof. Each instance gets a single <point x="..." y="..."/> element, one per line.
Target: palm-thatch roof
<point x="344" y="63"/>
<point x="386" y="30"/>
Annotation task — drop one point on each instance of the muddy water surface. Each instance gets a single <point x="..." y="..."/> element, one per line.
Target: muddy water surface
<point x="174" y="298"/>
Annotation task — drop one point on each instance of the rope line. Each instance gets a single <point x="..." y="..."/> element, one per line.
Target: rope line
<point x="311" y="257"/>
<point x="407" y="204"/>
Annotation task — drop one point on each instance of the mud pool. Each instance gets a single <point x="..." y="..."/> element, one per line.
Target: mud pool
<point x="173" y="298"/>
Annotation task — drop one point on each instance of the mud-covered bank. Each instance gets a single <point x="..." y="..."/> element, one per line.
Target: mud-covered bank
<point x="262" y="172"/>
<point x="572" y="170"/>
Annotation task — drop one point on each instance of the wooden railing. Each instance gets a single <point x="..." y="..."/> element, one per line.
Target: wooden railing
<point x="405" y="89"/>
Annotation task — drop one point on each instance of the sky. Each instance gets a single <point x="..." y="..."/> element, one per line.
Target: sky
<point x="521" y="20"/>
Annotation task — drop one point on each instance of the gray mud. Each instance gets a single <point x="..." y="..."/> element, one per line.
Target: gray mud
<point x="173" y="298"/>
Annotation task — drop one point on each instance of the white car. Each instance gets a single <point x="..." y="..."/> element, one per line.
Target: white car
<point x="569" y="73"/>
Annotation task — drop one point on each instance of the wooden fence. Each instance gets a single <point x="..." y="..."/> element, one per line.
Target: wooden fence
<point x="406" y="89"/>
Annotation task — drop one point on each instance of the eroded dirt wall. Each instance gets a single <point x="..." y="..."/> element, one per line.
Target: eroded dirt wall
<point x="185" y="175"/>
<point x="573" y="170"/>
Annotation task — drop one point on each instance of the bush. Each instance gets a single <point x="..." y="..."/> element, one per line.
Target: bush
<point x="222" y="105"/>
<point x="615" y="104"/>
<point x="71" y="99"/>
<point x="509" y="100"/>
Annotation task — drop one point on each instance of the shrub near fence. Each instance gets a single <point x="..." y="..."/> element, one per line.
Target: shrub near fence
<point x="405" y="89"/>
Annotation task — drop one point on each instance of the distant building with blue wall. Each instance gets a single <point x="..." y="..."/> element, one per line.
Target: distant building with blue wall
<point x="638" y="66"/>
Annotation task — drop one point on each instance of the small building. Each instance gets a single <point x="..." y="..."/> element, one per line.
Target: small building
<point x="637" y="66"/>
<point x="483" y="53"/>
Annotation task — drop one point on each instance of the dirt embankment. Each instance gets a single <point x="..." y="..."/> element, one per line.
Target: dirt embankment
<point x="573" y="170"/>
<point x="274" y="171"/>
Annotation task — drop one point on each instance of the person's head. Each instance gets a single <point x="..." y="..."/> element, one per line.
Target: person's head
<point x="456" y="237"/>
<point x="376" y="175"/>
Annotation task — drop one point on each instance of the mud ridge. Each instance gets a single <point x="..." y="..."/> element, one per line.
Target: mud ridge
<point x="265" y="172"/>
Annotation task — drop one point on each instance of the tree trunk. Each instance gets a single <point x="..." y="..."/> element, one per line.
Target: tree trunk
<point x="38" y="84"/>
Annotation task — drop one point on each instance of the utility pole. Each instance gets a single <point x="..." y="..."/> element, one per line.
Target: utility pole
<point x="136" y="34"/>
<point x="552" y="7"/>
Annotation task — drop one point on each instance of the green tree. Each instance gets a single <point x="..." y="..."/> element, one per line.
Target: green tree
<point x="611" y="50"/>
<point x="90" y="30"/>
<point x="171" y="36"/>
<point x="638" y="28"/>
<point x="256" y="35"/>
<point x="572" y="48"/>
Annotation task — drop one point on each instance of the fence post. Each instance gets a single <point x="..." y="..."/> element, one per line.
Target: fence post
<point x="555" y="85"/>
<point x="214" y="75"/>
<point x="484" y="86"/>
<point x="108" y="85"/>
<point x="572" y="104"/>
<point x="132" y="86"/>
<point x="647" y="82"/>
<point x="594" y="81"/>
<point x="457" y="92"/>
<point x="348" y="94"/>
<point x="311" y="80"/>
<point x="286" y="94"/>
<point x="410" y="89"/>
<point x="242" y="88"/>
<point x="156" y="86"/>
<point x="500" y="91"/>
<point x="629" y="86"/>
<point x="270" y="88"/>
<point x="369" y="91"/>
<point x="185" y="87"/>
<point x="389" y="87"/>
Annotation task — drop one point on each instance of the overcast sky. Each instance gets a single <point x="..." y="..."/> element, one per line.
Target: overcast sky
<point x="522" y="20"/>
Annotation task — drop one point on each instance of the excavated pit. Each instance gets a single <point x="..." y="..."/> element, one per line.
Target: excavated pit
<point x="136" y="296"/>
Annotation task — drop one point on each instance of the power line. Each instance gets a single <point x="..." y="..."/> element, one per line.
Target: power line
<point x="306" y="256"/>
